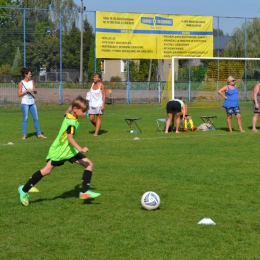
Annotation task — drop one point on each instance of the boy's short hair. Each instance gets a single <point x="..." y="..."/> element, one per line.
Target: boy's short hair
<point x="80" y="102"/>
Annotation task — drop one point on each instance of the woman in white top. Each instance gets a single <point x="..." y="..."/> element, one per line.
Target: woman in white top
<point x="97" y="102"/>
<point x="26" y="91"/>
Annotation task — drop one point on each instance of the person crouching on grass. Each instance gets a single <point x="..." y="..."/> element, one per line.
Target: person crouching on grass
<point x="174" y="107"/>
<point x="65" y="148"/>
<point x="187" y="118"/>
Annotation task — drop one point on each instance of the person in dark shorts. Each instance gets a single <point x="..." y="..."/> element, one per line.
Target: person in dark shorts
<point x="256" y="107"/>
<point x="65" y="148"/>
<point x="230" y="103"/>
<point x="174" y="109"/>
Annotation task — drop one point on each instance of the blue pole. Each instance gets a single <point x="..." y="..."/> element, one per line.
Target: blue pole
<point x="61" y="88"/>
<point x="128" y="81"/>
<point x="24" y="38"/>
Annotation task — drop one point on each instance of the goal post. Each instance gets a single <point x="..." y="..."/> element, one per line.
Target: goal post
<point x="191" y="75"/>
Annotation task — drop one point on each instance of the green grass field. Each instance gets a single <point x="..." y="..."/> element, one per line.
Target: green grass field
<point x="211" y="174"/>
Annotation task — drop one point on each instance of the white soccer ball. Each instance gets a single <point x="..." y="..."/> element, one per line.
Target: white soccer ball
<point x="150" y="200"/>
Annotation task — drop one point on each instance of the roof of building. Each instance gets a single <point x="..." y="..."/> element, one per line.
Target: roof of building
<point x="220" y="42"/>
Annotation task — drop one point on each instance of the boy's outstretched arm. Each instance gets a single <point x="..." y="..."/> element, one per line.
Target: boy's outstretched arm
<point x="73" y="142"/>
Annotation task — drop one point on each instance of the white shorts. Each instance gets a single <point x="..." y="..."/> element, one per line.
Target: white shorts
<point x="95" y="111"/>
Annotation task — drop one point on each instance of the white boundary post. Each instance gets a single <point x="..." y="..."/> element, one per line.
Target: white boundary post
<point x="173" y="60"/>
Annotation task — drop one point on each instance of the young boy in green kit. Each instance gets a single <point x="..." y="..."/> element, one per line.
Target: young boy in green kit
<point x="65" y="148"/>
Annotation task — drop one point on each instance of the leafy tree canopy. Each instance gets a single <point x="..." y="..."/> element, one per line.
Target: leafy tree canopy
<point x="236" y="46"/>
<point x="4" y="14"/>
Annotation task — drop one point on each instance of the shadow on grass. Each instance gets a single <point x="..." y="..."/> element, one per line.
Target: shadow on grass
<point x="101" y="132"/>
<point x="69" y="194"/>
<point x="236" y="130"/>
<point x="250" y="128"/>
<point x="34" y="134"/>
<point x="150" y="210"/>
<point x="226" y="129"/>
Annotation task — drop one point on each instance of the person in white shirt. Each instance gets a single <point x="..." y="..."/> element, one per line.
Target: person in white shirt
<point x="26" y="91"/>
<point x="97" y="102"/>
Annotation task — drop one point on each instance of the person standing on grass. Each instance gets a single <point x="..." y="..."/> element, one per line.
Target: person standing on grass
<point x="97" y="102"/>
<point x="231" y="96"/>
<point x="65" y="148"/>
<point x="26" y="91"/>
<point x="174" y="108"/>
<point x="256" y="106"/>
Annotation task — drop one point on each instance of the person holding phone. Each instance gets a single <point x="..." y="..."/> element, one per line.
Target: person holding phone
<point x="256" y="106"/>
<point x="26" y="91"/>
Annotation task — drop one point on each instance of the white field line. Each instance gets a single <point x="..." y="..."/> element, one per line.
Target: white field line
<point x="164" y="136"/>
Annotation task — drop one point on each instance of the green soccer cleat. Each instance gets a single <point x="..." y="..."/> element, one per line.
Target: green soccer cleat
<point x="24" y="197"/>
<point x="88" y="195"/>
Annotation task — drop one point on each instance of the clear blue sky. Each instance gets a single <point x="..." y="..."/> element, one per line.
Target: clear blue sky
<point x="218" y="8"/>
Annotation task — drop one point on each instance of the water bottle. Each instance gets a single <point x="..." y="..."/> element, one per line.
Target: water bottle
<point x="134" y="132"/>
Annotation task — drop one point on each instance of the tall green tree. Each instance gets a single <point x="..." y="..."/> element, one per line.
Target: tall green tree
<point x="89" y="51"/>
<point x="94" y="64"/>
<point x="217" y="32"/>
<point x="144" y="70"/>
<point x="44" y="10"/>
<point x="5" y="69"/>
<point x="245" y="43"/>
<point x="37" y="23"/>
<point x="71" y="49"/>
<point x="17" y="64"/>
<point x="236" y="46"/>
<point x="4" y="14"/>
<point x="11" y="37"/>
<point x="43" y="52"/>
<point x="133" y="71"/>
<point x="70" y="13"/>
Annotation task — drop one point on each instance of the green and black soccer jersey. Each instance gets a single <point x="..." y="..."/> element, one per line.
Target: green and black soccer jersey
<point x="61" y="149"/>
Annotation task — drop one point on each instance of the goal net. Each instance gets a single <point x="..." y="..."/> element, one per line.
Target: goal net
<point x="199" y="78"/>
